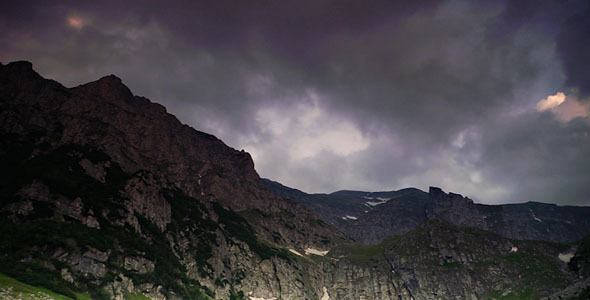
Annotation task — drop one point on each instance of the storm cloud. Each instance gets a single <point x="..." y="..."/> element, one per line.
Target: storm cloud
<point x="329" y="95"/>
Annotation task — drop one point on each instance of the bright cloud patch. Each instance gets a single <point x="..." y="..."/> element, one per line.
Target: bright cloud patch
<point x="310" y="131"/>
<point x="76" y="22"/>
<point x="565" y="108"/>
<point x="551" y="101"/>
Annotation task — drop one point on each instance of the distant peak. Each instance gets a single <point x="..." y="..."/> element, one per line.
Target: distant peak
<point x="21" y="73"/>
<point x="20" y="65"/>
<point x="438" y="191"/>
<point x="435" y="190"/>
<point x="111" y="79"/>
<point x="109" y="87"/>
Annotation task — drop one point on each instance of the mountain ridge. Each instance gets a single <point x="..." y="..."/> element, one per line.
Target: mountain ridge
<point x="107" y="196"/>
<point x="370" y="219"/>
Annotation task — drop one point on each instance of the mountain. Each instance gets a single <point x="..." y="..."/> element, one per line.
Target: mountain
<point x="107" y="196"/>
<point x="366" y="217"/>
<point x="105" y="191"/>
<point x="370" y="217"/>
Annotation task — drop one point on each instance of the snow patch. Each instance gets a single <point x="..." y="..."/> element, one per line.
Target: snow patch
<point x="535" y="217"/>
<point x="309" y="251"/>
<point x="325" y="296"/>
<point x="295" y="252"/>
<point x="375" y="203"/>
<point x="513" y="249"/>
<point x="565" y="257"/>
<point x="368" y="198"/>
<point x="347" y="217"/>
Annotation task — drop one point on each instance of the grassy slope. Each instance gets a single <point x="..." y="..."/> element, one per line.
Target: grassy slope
<point x="29" y="291"/>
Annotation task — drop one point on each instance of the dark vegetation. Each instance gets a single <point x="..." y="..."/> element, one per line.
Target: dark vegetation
<point x="233" y="295"/>
<point x="581" y="261"/>
<point x="238" y="227"/>
<point x="584" y="295"/>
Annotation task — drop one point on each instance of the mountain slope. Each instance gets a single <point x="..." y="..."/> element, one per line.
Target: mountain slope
<point x="104" y="195"/>
<point x="107" y="192"/>
<point x="438" y="260"/>
<point x="370" y="217"/>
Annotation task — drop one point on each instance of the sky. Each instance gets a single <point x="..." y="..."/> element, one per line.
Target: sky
<point x="489" y="99"/>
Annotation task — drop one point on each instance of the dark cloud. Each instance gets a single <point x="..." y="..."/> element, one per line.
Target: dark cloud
<point x="345" y="94"/>
<point x="539" y="158"/>
<point x="573" y="41"/>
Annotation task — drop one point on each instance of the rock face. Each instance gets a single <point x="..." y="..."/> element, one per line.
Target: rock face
<point x="527" y="221"/>
<point x="438" y="260"/>
<point x="105" y="193"/>
<point x="370" y="217"/>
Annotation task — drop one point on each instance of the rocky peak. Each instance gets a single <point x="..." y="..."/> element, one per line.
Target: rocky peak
<point x="109" y="88"/>
<point x="21" y="65"/>
<point x="453" y="208"/>
<point x="441" y="200"/>
<point x="19" y="75"/>
<point x="435" y="191"/>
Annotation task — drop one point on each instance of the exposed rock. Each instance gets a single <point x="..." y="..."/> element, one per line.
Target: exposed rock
<point x="23" y="208"/>
<point x="36" y="190"/>
<point x="454" y="208"/>
<point x="120" y="287"/>
<point x="96" y="171"/>
<point x="67" y="275"/>
<point x="144" y="194"/>
<point x="92" y="262"/>
<point x="138" y="265"/>
<point x="71" y="208"/>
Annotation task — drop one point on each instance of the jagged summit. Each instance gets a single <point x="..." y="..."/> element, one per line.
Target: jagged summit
<point x="21" y="69"/>
<point x="435" y="190"/>
<point x="438" y="192"/>
<point x="20" y="65"/>
<point x="19" y="75"/>
<point x="110" y="88"/>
